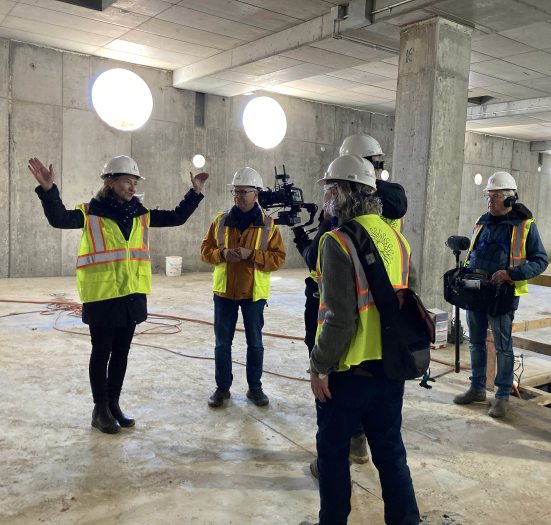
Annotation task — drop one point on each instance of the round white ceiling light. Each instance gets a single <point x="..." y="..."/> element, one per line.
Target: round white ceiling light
<point x="198" y="160"/>
<point x="122" y="99"/>
<point x="478" y="179"/>
<point x="265" y="122"/>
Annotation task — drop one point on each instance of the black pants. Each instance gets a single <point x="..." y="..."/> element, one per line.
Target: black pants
<point x="110" y="347"/>
<point x="311" y="313"/>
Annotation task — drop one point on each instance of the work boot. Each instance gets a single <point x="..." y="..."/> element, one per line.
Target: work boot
<point x="499" y="407"/>
<point x="217" y="398"/>
<point x="358" y="449"/>
<point x="103" y="420"/>
<point x="470" y="396"/>
<point x="123" y="419"/>
<point x="258" y="397"/>
<point x="314" y="468"/>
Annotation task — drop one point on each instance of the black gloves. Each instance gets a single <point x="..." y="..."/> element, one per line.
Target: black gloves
<point x="301" y="239"/>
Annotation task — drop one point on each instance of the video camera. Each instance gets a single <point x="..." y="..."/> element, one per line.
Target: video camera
<point x="285" y="195"/>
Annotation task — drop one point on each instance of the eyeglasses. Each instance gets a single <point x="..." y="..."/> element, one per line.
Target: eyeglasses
<point x="494" y="196"/>
<point x="241" y="193"/>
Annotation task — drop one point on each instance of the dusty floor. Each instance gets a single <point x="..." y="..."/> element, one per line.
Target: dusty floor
<point x="185" y="463"/>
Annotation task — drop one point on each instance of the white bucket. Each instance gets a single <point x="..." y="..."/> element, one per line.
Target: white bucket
<point x="173" y="266"/>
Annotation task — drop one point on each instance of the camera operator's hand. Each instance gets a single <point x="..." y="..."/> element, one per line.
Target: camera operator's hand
<point x="323" y="216"/>
<point x="301" y="239"/>
<point x="244" y="253"/>
<point x="231" y="255"/>
<point x="500" y="277"/>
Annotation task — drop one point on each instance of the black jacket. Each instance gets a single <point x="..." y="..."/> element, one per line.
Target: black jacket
<point x="130" y="309"/>
<point x="393" y="197"/>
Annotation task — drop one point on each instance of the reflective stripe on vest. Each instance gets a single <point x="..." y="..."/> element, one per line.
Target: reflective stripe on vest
<point x="366" y="342"/>
<point x="109" y="266"/>
<point x="101" y="256"/>
<point x="517" y="253"/>
<point x="261" y="280"/>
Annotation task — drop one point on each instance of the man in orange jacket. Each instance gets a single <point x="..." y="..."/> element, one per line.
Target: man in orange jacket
<point x="245" y="246"/>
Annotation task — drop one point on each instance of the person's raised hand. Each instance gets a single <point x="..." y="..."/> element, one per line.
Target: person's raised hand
<point x="43" y="175"/>
<point x="198" y="181"/>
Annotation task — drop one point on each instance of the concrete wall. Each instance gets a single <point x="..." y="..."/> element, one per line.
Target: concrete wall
<point x="4" y="160"/>
<point x="485" y="155"/>
<point x="46" y="111"/>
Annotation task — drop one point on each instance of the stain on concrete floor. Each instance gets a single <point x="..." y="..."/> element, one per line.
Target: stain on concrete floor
<point x="185" y="463"/>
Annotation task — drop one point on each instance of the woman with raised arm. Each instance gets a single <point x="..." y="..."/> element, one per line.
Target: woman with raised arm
<point x="113" y="269"/>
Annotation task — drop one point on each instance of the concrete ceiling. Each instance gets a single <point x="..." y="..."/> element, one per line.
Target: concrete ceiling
<point x="231" y="47"/>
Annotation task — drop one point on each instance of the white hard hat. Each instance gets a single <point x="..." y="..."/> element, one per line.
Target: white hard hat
<point x="360" y="144"/>
<point x="501" y="180"/>
<point x="121" y="164"/>
<point x="351" y="168"/>
<point x="247" y="177"/>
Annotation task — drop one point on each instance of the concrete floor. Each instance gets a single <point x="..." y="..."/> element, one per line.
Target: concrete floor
<point x="185" y="463"/>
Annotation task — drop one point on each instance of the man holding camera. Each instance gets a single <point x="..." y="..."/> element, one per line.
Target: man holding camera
<point x="506" y="246"/>
<point x="245" y="246"/>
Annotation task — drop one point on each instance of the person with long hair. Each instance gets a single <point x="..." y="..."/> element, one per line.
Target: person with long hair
<point x="346" y="372"/>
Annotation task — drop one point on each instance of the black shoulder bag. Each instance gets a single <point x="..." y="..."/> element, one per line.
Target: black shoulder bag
<point x="407" y="328"/>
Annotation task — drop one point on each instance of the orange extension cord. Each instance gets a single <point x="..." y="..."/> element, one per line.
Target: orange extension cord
<point x="75" y="310"/>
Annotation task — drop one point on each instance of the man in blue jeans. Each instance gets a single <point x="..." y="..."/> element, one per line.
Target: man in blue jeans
<point x="346" y="372"/>
<point x="245" y="246"/>
<point x="506" y="246"/>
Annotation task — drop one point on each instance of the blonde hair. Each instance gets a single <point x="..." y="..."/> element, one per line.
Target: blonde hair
<point x="105" y="191"/>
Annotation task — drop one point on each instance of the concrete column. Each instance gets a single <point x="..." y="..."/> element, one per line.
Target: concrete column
<point x="431" y="107"/>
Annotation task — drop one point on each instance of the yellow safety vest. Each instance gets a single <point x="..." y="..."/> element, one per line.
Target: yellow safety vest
<point x="395" y="252"/>
<point x="395" y="223"/>
<point x="108" y="265"/>
<point x="261" y="280"/>
<point x="517" y="253"/>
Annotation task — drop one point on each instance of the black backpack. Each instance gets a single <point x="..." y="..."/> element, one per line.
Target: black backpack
<point x="407" y="328"/>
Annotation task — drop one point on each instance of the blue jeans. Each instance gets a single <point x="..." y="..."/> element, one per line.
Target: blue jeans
<point x="225" y="319"/>
<point x="376" y="402"/>
<point x="502" y="327"/>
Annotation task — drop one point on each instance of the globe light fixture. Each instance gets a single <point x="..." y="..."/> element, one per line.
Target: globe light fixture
<point x="265" y="122"/>
<point x="385" y="175"/>
<point x="198" y="160"/>
<point x="122" y="99"/>
<point x="478" y="179"/>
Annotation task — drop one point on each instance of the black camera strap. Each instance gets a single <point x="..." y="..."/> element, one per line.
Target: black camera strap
<point x="383" y="294"/>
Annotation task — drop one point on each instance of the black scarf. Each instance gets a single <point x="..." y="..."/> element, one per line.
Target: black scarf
<point x="123" y="211"/>
<point x="245" y="219"/>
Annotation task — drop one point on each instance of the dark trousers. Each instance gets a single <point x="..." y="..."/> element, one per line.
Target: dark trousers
<point x="311" y="307"/>
<point x="110" y="347"/>
<point x="377" y="403"/>
<point x="225" y="319"/>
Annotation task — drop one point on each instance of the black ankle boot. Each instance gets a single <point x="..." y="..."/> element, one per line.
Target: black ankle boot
<point x="103" y="420"/>
<point x="123" y="419"/>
